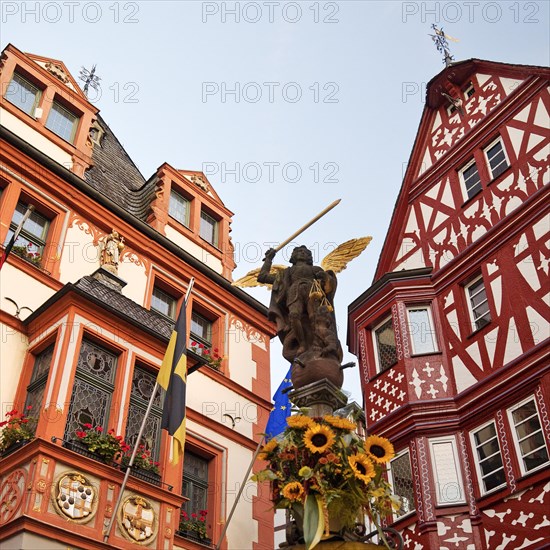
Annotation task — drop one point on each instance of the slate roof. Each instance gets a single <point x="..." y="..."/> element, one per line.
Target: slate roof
<point x="115" y="175"/>
<point x="112" y="300"/>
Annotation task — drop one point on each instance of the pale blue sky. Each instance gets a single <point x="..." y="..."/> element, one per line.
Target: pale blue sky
<point x="361" y="68"/>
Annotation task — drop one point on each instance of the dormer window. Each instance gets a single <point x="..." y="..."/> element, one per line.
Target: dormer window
<point x="209" y="228"/>
<point x="62" y="122"/>
<point x="23" y="94"/>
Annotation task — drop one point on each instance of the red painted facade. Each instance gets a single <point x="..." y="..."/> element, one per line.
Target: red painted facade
<point x="453" y="334"/>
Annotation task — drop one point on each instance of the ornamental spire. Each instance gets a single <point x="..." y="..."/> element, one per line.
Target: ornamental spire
<point x="90" y="79"/>
<point x="441" y="42"/>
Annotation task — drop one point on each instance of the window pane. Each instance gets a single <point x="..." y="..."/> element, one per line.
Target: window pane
<point x="479" y="304"/>
<point x="163" y="303"/>
<point x="385" y="343"/>
<point x="22" y="94"/>
<point x="34" y="232"/>
<point x="42" y="363"/>
<point x="97" y="361"/>
<point x="179" y="208"/>
<point x="497" y="159"/>
<point x="151" y="434"/>
<point x="489" y="458"/>
<point x="421" y="331"/>
<point x="402" y="483"/>
<point x="209" y="229"/>
<point x="62" y="122"/>
<point x="195" y="483"/>
<point x="472" y="180"/>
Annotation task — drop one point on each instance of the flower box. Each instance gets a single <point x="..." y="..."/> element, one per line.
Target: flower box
<point x="12" y="448"/>
<point x="195" y="537"/>
<point x="145" y="475"/>
<point x="78" y="447"/>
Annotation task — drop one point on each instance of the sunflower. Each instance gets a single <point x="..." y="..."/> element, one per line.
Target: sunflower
<point x="299" y="421"/>
<point x="379" y="449"/>
<point x="319" y="438"/>
<point x="362" y="467"/>
<point x="293" y="491"/>
<point x="337" y="422"/>
<point x="267" y="449"/>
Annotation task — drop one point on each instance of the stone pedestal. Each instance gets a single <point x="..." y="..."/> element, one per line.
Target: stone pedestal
<point x="322" y="397"/>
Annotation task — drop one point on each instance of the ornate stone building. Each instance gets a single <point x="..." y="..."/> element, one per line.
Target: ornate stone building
<point x="89" y="295"/>
<point x="453" y="333"/>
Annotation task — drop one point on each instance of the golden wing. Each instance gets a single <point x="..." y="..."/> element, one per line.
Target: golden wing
<point x="251" y="278"/>
<point x="338" y="259"/>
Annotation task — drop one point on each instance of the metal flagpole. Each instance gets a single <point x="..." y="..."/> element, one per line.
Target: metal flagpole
<point x="140" y="435"/>
<point x="246" y="476"/>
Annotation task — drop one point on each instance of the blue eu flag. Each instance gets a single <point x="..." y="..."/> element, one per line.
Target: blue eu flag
<point x="276" y="422"/>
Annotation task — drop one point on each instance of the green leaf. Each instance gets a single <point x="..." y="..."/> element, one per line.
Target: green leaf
<point x="314" y="521"/>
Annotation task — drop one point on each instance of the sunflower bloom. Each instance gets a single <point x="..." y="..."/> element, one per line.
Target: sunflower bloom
<point x="379" y="449"/>
<point x="319" y="438"/>
<point x="293" y="491"/>
<point x="267" y="448"/>
<point x="362" y="467"/>
<point x="299" y="421"/>
<point x="341" y="423"/>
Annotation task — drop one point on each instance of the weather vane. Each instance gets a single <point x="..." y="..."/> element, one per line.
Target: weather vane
<point x="442" y="44"/>
<point x="90" y="79"/>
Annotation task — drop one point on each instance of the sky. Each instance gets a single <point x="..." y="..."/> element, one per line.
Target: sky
<point x="286" y="106"/>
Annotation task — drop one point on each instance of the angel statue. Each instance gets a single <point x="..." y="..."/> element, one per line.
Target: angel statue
<point x="302" y="308"/>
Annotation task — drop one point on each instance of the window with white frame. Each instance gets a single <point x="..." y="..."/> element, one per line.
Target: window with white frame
<point x="469" y="91"/>
<point x="478" y="303"/>
<point x="62" y="122"/>
<point x="421" y="330"/>
<point x="496" y="158"/>
<point x="209" y="228"/>
<point x="31" y="240"/>
<point x="164" y="303"/>
<point x="179" y="207"/>
<point x="23" y="94"/>
<point x="528" y="435"/>
<point x="384" y="340"/>
<point x="446" y="471"/>
<point x="401" y="480"/>
<point x="489" y="466"/>
<point x="469" y="175"/>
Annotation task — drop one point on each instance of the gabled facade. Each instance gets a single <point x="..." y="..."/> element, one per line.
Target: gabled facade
<point x="83" y="337"/>
<point x="453" y="334"/>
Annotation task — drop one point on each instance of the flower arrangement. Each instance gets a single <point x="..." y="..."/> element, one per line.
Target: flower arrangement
<point x="109" y="447"/>
<point x="213" y="358"/>
<point x="196" y="524"/>
<point x="320" y="469"/>
<point x="26" y="253"/>
<point x="143" y="460"/>
<point x="18" y="427"/>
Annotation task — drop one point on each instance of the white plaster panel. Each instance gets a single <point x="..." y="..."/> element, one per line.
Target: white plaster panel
<point x="491" y="344"/>
<point x="416" y="259"/>
<point x="24" y="289"/>
<point x="208" y="397"/>
<point x="541" y="116"/>
<point x="136" y="277"/>
<point x="193" y="249"/>
<point x="542" y="227"/>
<point x="12" y="354"/>
<point x="540" y="328"/>
<point x="463" y="377"/>
<point x="516" y="135"/>
<point x="36" y="139"/>
<point x="482" y="78"/>
<point x="496" y="290"/>
<point x="412" y="224"/>
<point x="529" y="272"/>
<point x="513" y="344"/>
<point x="510" y="84"/>
<point x="426" y="162"/>
<point x="473" y="351"/>
<point x="241" y="365"/>
<point x="523" y="115"/>
<point x="79" y="256"/>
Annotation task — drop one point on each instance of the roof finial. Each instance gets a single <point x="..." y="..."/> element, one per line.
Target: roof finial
<point x="440" y="39"/>
<point x="90" y="79"/>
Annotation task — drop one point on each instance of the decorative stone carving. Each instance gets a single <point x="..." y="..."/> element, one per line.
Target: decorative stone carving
<point x="57" y="71"/>
<point x="11" y="494"/>
<point x="322" y="396"/>
<point x="137" y="520"/>
<point x="75" y="497"/>
<point x="110" y="252"/>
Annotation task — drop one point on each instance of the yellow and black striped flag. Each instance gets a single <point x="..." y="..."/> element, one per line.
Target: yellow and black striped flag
<point x="172" y="377"/>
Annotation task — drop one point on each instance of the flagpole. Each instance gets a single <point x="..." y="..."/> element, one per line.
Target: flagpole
<point x="11" y="242"/>
<point x="140" y="435"/>
<point x="246" y="476"/>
